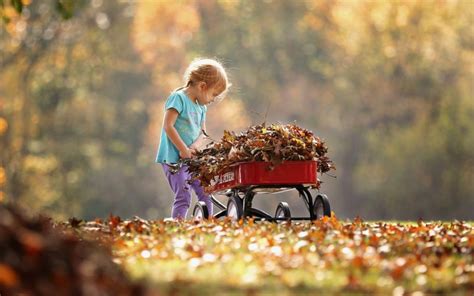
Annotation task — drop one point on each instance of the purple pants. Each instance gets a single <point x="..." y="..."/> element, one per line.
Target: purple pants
<point x="182" y="193"/>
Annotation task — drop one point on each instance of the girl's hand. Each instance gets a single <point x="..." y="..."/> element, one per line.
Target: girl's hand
<point x="188" y="153"/>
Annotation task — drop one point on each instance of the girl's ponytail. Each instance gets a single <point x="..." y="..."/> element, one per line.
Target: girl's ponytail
<point x="182" y="87"/>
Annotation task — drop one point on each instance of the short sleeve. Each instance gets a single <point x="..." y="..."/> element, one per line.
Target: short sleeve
<point x="174" y="101"/>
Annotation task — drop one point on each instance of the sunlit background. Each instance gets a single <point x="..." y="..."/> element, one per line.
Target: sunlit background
<point x="389" y="86"/>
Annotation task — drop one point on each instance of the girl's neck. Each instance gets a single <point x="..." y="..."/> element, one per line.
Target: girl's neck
<point x="191" y="93"/>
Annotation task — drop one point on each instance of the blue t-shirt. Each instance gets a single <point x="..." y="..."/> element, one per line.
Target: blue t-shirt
<point x="188" y="124"/>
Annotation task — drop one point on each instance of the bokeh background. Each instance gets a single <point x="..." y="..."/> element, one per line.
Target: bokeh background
<point x="388" y="85"/>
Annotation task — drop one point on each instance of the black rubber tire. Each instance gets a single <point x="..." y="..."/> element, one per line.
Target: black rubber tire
<point x="283" y="211"/>
<point x="235" y="208"/>
<point x="321" y="206"/>
<point x="200" y="211"/>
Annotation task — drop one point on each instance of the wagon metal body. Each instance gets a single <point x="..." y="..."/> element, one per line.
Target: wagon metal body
<point x="241" y="182"/>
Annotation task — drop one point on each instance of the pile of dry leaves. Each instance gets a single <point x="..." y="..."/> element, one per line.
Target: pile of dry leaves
<point x="274" y="143"/>
<point x="38" y="259"/>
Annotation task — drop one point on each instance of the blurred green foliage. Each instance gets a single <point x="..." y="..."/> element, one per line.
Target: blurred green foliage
<point x="65" y="8"/>
<point x="388" y="85"/>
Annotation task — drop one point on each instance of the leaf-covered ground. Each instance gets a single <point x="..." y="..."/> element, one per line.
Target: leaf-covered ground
<point x="323" y="256"/>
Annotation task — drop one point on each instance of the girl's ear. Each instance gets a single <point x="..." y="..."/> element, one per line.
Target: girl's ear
<point x="202" y="85"/>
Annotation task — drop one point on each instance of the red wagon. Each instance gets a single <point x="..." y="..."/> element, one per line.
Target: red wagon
<point x="241" y="182"/>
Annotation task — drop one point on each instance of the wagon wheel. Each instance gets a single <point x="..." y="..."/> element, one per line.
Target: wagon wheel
<point x="321" y="206"/>
<point x="283" y="211"/>
<point x="235" y="209"/>
<point x="200" y="211"/>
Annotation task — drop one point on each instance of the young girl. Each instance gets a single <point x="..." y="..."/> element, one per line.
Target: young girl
<point x="184" y="128"/>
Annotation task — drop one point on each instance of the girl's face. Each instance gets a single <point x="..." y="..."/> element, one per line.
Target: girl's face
<point x="207" y="94"/>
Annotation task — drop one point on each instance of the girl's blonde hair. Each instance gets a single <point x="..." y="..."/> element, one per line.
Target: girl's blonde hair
<point x="209" y="71"/>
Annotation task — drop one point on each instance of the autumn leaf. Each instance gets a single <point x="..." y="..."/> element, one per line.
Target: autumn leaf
<point x="274" y="143"/>
<point x="8" y="276"/>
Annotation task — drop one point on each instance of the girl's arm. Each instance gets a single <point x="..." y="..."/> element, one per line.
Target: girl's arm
<point x="168" y="124"/>
<point x="200" y="141"/>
